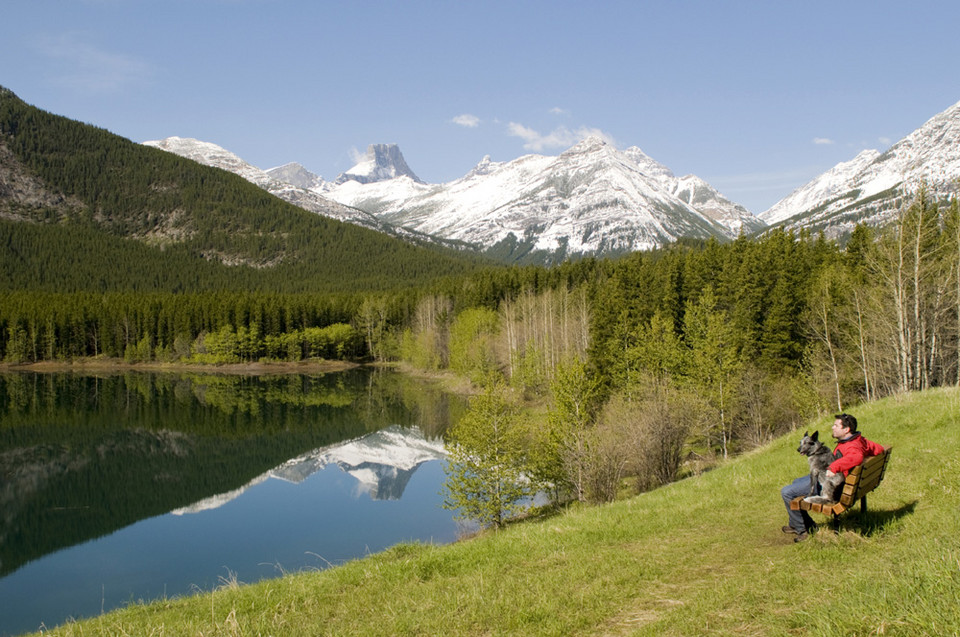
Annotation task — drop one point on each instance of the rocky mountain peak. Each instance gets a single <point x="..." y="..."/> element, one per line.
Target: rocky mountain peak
<point x="591" y="144"/>
<point x="484" y="167"/>
<point x="210" y="154"/>
<point x="380" y="163"/>
<point x="296" y="175"/>
<point x="649" y="166"/>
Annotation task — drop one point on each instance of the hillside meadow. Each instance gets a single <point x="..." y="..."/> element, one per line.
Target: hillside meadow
<point x="701" y="556"/>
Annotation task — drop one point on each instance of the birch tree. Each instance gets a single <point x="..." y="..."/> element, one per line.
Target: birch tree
<point x="485" y="471"/>
<point x="713" y="359"/>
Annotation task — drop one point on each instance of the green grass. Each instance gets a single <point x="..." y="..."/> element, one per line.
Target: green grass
<point x="704" y="556"/>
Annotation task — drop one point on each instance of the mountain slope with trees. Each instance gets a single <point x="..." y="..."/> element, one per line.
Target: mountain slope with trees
<point x="58" y="171"/>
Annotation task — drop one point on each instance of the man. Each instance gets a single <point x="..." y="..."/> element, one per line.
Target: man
<point x="850" y="451"/>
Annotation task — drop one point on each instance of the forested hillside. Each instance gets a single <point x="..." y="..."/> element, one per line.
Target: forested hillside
<point x="92" y="200"/>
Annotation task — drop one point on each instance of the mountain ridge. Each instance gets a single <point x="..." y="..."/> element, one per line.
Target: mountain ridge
<point x="591" y="199"/>
<point x="871" y="187"/>
<point x="544" y="207"/>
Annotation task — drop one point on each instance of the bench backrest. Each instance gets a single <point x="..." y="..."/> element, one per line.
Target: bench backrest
<point x="864" y="478"/>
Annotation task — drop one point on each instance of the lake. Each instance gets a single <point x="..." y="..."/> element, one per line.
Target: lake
<point x="139" y="486"/>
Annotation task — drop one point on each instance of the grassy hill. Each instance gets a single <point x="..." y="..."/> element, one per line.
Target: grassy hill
<point x="704" y="556"/>
<point x="76" y="198"/>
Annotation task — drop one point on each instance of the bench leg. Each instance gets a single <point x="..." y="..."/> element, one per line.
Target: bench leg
<point x="835" y="524"/>
<point x="863" y="504"/>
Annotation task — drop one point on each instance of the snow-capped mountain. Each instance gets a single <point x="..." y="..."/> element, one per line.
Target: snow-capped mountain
<point x="872" y="187"/>
<point x="698" y="194"/>
<point x="312" y="200"/>
<point x="218" y="157"/>
<point x="382" y="162"/>
<point x="705" y="198"/>
<point x="591" y="199"/>
<point x="296" y="175"/>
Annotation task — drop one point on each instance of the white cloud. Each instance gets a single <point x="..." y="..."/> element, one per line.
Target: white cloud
<point x="556" y="110"/>
<point x="467" y="120"/>
<point x="822" y="141"/>
<point x="886" y="141"/>
<point x="356" y="155"/>
<point x="84" y="67"/>
<point x="561" y="137"/>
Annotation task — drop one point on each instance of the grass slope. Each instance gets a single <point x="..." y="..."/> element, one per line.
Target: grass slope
<point x="703" y="556"/>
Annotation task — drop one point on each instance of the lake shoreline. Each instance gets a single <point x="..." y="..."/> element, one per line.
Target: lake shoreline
<point x="448" y="381"/>
<point x="118" y="365"/>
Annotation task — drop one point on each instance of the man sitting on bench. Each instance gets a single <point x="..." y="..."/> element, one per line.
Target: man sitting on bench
<point x="851" y="450"/>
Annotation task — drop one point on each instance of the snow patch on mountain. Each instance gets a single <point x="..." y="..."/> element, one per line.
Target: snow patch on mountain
<point x="822" y="188"/>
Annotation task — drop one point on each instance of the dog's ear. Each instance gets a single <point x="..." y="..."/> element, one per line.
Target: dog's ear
<point x="815" y="436"/>
<point x="806" y="434"/>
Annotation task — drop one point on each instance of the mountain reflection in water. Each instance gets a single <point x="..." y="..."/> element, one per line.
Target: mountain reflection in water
<point x="139" y="486"/>
<point x="382" y="462"/>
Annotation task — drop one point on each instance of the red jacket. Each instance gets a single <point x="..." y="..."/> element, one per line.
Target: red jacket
<point x="851" y="452"/>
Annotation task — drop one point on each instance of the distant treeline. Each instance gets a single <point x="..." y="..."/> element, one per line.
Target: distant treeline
<point x="239" y="326"/>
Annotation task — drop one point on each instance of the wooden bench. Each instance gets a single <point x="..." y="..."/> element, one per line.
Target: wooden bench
<point x="861" y="480"/>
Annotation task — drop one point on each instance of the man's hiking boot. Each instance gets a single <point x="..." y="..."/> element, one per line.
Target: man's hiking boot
<point x="801" y="537"/>
<point x="788" y="529"/>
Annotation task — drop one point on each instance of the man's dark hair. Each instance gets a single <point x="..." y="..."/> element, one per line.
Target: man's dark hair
<point x="848" y="421"/>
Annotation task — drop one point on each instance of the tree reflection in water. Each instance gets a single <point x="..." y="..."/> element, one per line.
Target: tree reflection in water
<point x="83" y="456"/>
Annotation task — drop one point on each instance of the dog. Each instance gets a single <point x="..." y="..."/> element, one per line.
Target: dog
<point x="819" y="456"/>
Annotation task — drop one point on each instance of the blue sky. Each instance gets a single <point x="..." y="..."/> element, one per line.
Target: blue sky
<point x="755" y="97"/>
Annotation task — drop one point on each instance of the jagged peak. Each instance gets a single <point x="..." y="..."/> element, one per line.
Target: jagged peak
<point x="590" y="143"/>
<point x="381" y="162"/>
<point x="484" y="167"/>
<point x="649" y="165"/>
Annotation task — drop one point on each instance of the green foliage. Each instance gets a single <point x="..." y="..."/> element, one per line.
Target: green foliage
<point x="528" y="373"/>
<point x="485" y="473"/>
<point x="472" y="343"/>
<point x="576" y="397"/>
<point x="714" y="360"/>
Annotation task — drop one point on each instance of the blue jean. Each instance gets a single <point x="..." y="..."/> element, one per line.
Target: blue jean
<point x="799" y="521"/>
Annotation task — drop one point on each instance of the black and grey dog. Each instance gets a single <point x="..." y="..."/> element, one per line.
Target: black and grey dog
<point x="819" y="456"/>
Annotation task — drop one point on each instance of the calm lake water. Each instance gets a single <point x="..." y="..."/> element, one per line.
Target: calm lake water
<point x="141" y="486"/>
